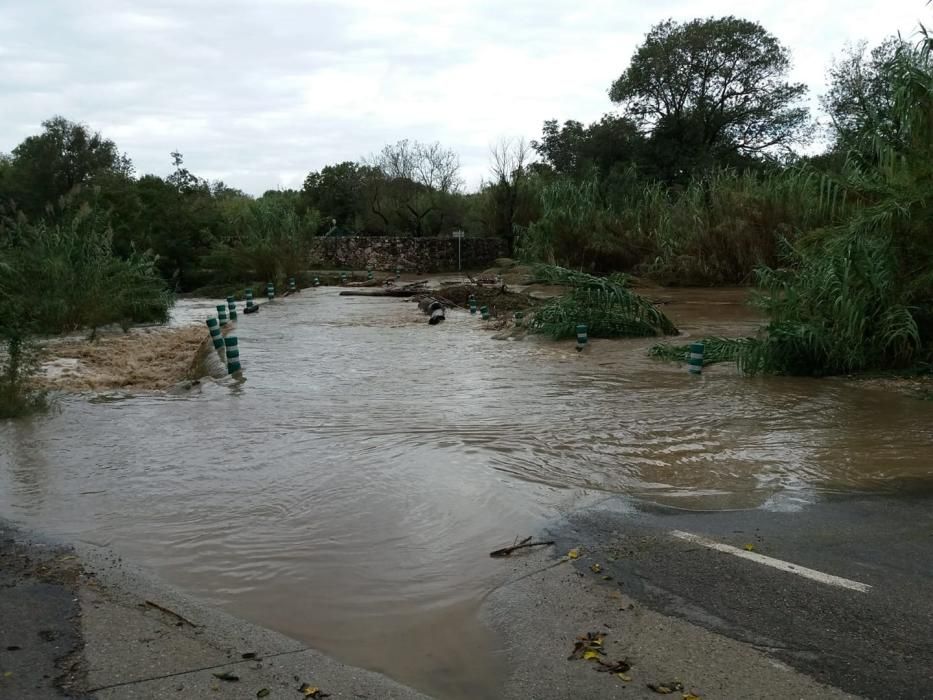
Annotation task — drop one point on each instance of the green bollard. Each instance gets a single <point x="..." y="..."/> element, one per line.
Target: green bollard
<point x="317" y="282"/>
<point x="231" y="307"/>
<point x="222" y="314"/>
<point x="472" y="301"/>
<point x="398" y="273"/>
<point x="233" y="354"/>
<point x="369" y="274"/>
<point x="519" y="318"/>
<point x="343" y="278"/>
<point x="249" y="298"/>
<point x="695" y="359"/>
<point x="484" y="312"/>
<point x="291" y="284"/>
<point x="270" y="291"/>
<point x="214" y="327"/>
<point x="582" y="337"/>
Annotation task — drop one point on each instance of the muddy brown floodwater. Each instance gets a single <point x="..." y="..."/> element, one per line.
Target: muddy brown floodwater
<point x="347" y="494"/>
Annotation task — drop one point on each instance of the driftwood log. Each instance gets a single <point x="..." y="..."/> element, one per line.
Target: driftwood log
<point x="409" y="290"/>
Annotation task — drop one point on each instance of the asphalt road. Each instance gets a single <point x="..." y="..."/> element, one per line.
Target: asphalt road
<point x="876" y="644"/>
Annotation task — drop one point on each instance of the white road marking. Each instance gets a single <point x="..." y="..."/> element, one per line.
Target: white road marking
<point x="811" y="574"/>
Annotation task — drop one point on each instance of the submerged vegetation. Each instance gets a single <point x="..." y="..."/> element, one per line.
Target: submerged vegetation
<point x="605" y="304"/>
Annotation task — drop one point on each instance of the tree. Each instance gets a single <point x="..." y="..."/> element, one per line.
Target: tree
<point x="412" y="186"/>
<point x="509" y="196"/>
<point x="713" y="89"/>
<point x="338" y="192"/>
<point x="573" y="149"/>
<point x="860" y="100"/>
<point x="50" y="165"/>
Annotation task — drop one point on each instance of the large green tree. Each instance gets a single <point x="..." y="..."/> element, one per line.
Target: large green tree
<point x="711" y="91"/>
<point x="66" y="155"/>
<point x="860" y="101"/>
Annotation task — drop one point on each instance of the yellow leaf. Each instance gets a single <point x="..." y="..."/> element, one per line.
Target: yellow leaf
<point x="590" y="655"/>
<point x="749" y="548"/>
<point x="573" y="554"/>
<point x="624" y="677"/>
<point x="691" y="696"/>
<point x="596" y="568"/>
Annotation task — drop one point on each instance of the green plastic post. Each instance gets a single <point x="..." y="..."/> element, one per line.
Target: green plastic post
<point x="695" y="360"/>
<point x="582" y="336"/>
<point x="233" y="354"/>
<point x="214" y="327"/>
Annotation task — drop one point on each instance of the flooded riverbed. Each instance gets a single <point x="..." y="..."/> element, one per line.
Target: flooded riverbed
<point x="347" y="494"/>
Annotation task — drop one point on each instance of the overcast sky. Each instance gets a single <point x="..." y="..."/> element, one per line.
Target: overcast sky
<point x="259" y="92"/>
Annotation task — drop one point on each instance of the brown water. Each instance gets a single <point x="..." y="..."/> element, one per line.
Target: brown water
<point x="348" y="493"/>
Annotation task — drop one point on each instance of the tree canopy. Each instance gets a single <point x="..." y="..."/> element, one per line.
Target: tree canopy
<point x="716" y="87"/>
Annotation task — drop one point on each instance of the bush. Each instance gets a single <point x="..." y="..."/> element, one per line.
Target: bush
<point x="18" y="364"/>
<point x="63" y="276"/>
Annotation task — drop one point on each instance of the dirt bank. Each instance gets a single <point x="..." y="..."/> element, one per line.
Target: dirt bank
<point x="144" y="359"/>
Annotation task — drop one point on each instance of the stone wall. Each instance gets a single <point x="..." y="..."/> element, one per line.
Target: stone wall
<point x="410" y="254"/>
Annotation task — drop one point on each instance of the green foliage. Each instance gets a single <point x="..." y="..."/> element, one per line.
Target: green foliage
<point x="19" y="362"/>
<point x="270" y="242"/>
<point x="714" y="350"/>
<point x="858" y="296"/>
<point x="715" y="230"/>
<point x="61" y="275"/>
<point x="604" y="304"/>
<point x="711" y="89"/>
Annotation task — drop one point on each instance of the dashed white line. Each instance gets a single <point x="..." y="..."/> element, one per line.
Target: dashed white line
<point x="811" y="574"/>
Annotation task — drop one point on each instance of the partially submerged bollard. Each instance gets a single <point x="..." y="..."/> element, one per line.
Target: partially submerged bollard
<point x="369" y="275"/>
<point x="343" y="278"/>
<point x="316" y="282"/>
<point x="249" y="299"/>
<point x="472" y="301"/>
<point x="231" y="306"/>
<point x="484" y="312"/>
<point x="270" y="291"/>
<point x="291" y="285"/>
<point x="214" y="327"/>
<point x="582" y="337"/>
<point x="222" y="314"/>
<point x="695" y="359"/>
<point x="398" y="273"/>
<point x="233" y="354"/>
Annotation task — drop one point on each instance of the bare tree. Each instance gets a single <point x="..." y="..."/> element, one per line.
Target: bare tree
<point x="427" y="164"/>
<point x="509" y="160"/>
<point x="417" y="178"/>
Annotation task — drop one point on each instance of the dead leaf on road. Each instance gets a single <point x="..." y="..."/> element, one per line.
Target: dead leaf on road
<point x="573" y="554"/>
<point x="226" y="676"/>
<point x="311" y="691"/>
<point x="666" y="688"/>
<point x="592" y="641"/>
<point x="263" y="693"/>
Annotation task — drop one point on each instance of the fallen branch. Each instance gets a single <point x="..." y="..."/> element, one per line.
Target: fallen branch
<point x="506" y="551"/>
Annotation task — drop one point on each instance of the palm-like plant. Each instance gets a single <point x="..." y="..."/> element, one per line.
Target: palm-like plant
<point x="605" y="304"/>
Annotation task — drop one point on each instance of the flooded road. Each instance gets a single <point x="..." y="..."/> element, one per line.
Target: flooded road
<point x="347" y="494"/>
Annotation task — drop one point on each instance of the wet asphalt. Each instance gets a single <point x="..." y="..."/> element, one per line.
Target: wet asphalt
<point x="877" y="644"/>
<point x="39" y="615"/>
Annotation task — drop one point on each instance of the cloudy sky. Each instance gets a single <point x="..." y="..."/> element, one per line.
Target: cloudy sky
<point x="259" y="92"/>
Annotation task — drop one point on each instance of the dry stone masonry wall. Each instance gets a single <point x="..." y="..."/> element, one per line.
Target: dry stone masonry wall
<point x="410" y="254"/>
